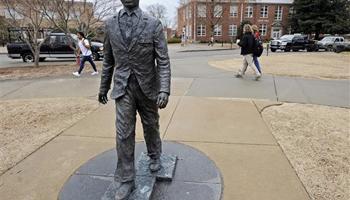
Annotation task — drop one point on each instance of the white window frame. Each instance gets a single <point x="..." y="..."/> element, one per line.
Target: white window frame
<point x="264" y="11"/>
<point x="278" y="13"/>
<point x="263" y="29"/>
<point x="232" y="30"/>
<point x="202" y="10"/>
<point x="189" y="12"/>
<point x="218" y="30"/>
<point x="248" y="12"/>
<point x="233" y="11"/>
<point x="186" y="12"/>
<point x="201" y="30"/>
<point x="218" y="10"/>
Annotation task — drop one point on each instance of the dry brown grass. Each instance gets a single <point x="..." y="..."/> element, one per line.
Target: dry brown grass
<point x="316" y="140"/>
<point x="26" y="125"/>
<point x="320" y="65"/>
<point x="12" y="73"/>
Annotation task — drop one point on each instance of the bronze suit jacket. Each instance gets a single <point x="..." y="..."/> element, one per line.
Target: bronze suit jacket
<point x="146" y="57"/>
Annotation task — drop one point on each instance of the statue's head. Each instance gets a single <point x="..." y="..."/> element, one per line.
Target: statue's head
<point x="130" y="3"/>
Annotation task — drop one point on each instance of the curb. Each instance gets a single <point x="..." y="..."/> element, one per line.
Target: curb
<point x="184" y="51"/>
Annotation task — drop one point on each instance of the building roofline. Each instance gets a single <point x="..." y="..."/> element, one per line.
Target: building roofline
<point x="288" y="2"/>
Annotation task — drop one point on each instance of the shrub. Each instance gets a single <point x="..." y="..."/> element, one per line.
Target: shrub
<point x="174" y="40"/>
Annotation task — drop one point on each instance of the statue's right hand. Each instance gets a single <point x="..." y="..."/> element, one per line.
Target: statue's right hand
<point x="102" y="98"/>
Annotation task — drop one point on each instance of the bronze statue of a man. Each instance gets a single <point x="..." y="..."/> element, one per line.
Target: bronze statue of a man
<point x="136" y="58"/>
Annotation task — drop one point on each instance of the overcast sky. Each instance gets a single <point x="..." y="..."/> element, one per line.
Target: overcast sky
<point x="171" y="6"/>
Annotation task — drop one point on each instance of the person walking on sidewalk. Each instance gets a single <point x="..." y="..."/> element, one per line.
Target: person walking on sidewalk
<point x="257" y="38"/>
<point x="211" y="42"/>
<point x="247" y="48"/>
<point x="85" y="50"/>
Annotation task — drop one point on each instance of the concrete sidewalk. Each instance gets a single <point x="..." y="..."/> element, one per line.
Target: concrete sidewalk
<point x="252" y="164"/>
<point x="223" y="85"/>
<point x="193" y="47"/>
<point x="211" y="111"/>
<point x="3" y="50"/>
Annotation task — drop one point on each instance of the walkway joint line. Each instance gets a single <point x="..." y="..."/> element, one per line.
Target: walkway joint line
<point x="274" y="84"/>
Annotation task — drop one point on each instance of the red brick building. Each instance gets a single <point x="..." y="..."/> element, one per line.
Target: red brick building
<point x="198" y="20"/>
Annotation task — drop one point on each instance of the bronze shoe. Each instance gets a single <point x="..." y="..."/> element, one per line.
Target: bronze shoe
<point x="154" y="165"/>
<point x="124" y="190"/>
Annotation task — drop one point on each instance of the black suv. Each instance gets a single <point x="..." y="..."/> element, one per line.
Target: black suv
<point x="56" y="45"/>
<point x="293" y="42"/>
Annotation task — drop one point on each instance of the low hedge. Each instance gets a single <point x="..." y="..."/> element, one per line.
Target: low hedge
<point x="174" y="40"/>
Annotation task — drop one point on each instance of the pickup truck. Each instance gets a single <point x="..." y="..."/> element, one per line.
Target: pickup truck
<point x="56" y="45"/>
<point x="294" y="42"/>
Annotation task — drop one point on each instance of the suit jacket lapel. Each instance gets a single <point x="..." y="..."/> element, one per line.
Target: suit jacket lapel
<point x="119" y="34"/>
<point x="137" y="30"/>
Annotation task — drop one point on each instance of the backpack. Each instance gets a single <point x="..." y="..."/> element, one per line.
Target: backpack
<point x="258" y="47"/>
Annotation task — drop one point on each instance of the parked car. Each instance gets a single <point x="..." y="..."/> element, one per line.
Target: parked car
<point x="294" y="42"/>
<point x="56" y="45"/>
<point x="341" y="46"/>
<point x="327" y="42"/>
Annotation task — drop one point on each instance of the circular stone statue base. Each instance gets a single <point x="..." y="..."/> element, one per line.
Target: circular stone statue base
<point x="196" y="176"/>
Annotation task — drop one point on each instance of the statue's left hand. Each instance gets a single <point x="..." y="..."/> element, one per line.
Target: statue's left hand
<point x="102" y="98"/>
<point x="162" y="100"/>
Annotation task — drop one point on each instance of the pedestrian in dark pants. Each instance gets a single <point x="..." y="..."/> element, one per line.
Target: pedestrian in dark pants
<point x="85" y="50"/>
<point x="247" y="44"/>
<point x="257" y="37"/>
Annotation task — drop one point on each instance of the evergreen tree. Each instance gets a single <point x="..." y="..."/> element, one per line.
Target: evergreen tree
<point x="321" y="16"/>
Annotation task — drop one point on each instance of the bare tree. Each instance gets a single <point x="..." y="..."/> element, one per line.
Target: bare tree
<point x="215" y="11"/>
<point x="159" y="11"/>
<point x="79" y="15"/>
<point x="28" y="15"/>
<point x="3" y="30"/>
<point x="83" y="15"/>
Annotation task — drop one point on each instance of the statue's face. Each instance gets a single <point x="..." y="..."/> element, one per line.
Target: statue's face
<point x="130" y="3"/>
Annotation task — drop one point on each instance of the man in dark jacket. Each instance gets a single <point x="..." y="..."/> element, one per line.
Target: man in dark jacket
<point x="247" y="45"/>
<point x="134" y="42"/>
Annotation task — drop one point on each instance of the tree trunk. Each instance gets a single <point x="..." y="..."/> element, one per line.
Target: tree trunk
<point x="36" y="57"/>
<point x="317" y="35"/>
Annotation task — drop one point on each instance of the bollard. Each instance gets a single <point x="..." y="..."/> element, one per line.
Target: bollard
<point x="267" y="49"/>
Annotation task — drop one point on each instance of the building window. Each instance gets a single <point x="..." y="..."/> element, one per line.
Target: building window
<point x="291" y="10"/>
<point x="202" y="10"/>
<point x="201" y="31"/>
<point x="263" y="11"/>
<point x="218" y="11"/>
<point x="184" y="14"/>
<point x="278" y="13"/>
<point x="248" y="12"/>
<point x="263" y="29"/>
<point x="188" y="31"/>
<point x="232" y="31"/>
<point x="233" y="11"/>
<point x="189" y="12"/>
<point x="218" y="30"/>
